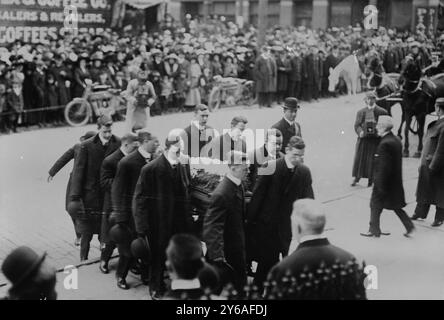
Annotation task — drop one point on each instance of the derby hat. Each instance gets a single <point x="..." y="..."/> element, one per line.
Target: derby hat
<point x="140" y="248"/>
<point x="291" y="103"/>
<point x="21" y="265"/>
<point x="120" y="233"/>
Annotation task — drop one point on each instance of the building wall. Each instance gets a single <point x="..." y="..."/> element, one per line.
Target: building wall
<point x="309" y="13"/>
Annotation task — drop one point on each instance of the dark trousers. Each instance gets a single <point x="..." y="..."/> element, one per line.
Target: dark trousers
<point x="375" y="216"/>
<point x="422" y="210"/>
<point x="294" y="89"/>
<point x="84" y="245"/>
<point x="107" y="251"/>
<point x="264" y="99"/>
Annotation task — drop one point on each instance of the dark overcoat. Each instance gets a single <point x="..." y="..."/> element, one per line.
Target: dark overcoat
<point x="158" y="213"/>
<point x="69" y="155"/>
<point x="201" y="138"/>
<point x="85" y="183"/>
<point x="287" y="131"/>
<point x="221" y="145"/>
<point x="388" y="190"/>
<point x="263" y="71"/>
<point x="430" y="189"/>
<point x="223" y="227"/>
<point x="271" y="206"/>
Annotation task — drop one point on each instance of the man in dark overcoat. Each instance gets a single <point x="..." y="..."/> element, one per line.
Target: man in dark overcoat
<point x="430" y="189"/>
<point x="295" y="76"/>
<point x="223" y="226"/>
<point x="263" y="71"/>
<point x="161" y="206"/>
<point x="388" y="190"/>
<point x="107" y="174"/>
<point x="271" y="206"/>
<point x="122" y="193"/>
<point x="70" y="154"/>
<point x="271" y="150"/>
<point x="231" y="140"/>
<point x="86" y="194"/>
<point x="288" y="125"/>
<point x="198" y="133"/>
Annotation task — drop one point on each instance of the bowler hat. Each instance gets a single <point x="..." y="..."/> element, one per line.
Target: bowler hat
<point x="21" y="264"/>
<point x="140" y="248"/>
<point x="88" y="135"/>
<point x="291" y="103"/>
<point x="120" y="234"/>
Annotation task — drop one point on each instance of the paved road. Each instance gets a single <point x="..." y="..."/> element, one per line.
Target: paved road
<point x="32" y="211"/>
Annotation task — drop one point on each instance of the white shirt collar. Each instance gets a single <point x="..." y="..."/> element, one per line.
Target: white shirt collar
<point x="312" y="237"/>
<point x="197" y="125"/>
<point x="235" y="180"/>
<point x="171" y="161"/>
<point x="181" y="284"/>
<point x="144" y="154"/>
<point x="385" y="133"/>
<point x="103" y="140"/>
<point x="288" y="163"/>
<point x="289" y="122"/>
<point x="372" y="107"/>
<point x="123" y="151"/>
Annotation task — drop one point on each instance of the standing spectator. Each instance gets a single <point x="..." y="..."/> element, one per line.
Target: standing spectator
<point x="161" y="210"/>
<point x="181" y="87"/>
<point x="230" y="69"/>
<point x="193" y="95"/>
<point x="14" y="105"/>
<point x="3" y="117"/>
<point x="39" y="83"/>
<point x="216" y="66"/>
<point x="283" y="69"/>
<point x="430" y="190"/>
<point x="120" y="82"/>
<point x="223" y="226"/>
<point x="166" y="94"/>
<point x="86" y="195"/>
<point x="391" y="59"/>
<point x="331" y="62"/>
<point x="63" y="78"/>
<point x="388" y="191"/>
<point x="295" y="75"/>
<point x="171" y="66"/>
<point x="368" y="139"/>
<point x="271" y="205"/>
<point x="264" y="78"/>
<point x="312" y="74"/>
<point x="51" y="99"/>
<point x="81" y="73"/>
<point x="29" y="94"/>
<point x="97" y="67"/>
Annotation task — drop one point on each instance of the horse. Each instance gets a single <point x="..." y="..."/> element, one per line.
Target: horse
<point x="349" y="70"/>
<point x="418" y="95"/>
<point x="385" y="87"/>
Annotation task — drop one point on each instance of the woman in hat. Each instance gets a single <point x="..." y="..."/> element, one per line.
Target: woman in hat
<point x="368" y="139"/>
<point x="230" y="68"/>
<point x="141" y="96"/>
<point x="193" y="96"/>
<point x="81" y="73"/>
<point x="171" y="66"/>
<point x="216" y="66"/>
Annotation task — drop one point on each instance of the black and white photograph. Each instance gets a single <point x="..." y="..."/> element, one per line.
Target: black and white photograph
<point x="225" y="150"/>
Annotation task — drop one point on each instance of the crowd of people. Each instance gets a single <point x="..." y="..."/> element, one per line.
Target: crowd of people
<point x="182" y="64"/>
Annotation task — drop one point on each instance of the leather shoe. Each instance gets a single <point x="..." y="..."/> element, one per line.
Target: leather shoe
<point x="121" y="283"/>
<point x="369" y="234"/>
<point x="103" y="266"/>
<point x="355" y="182"/>
<point x="385" y="233"/>
<point x="416" y="217"/>
<point x="135" y="270"/>
<point x="155" y="295"/>
<point x="437" y="223"/>
<point x="409" y="232"/>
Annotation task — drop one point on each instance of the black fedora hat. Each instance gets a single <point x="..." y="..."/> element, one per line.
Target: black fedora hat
<point x="21" y="264"/>
<point x="140" y="248"/>
<point x="291" y="103"/>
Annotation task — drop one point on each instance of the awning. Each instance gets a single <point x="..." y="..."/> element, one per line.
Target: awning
<point x="143" y="4"/>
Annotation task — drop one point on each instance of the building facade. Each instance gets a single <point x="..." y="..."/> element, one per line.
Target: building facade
<point x="401" y="14"/>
